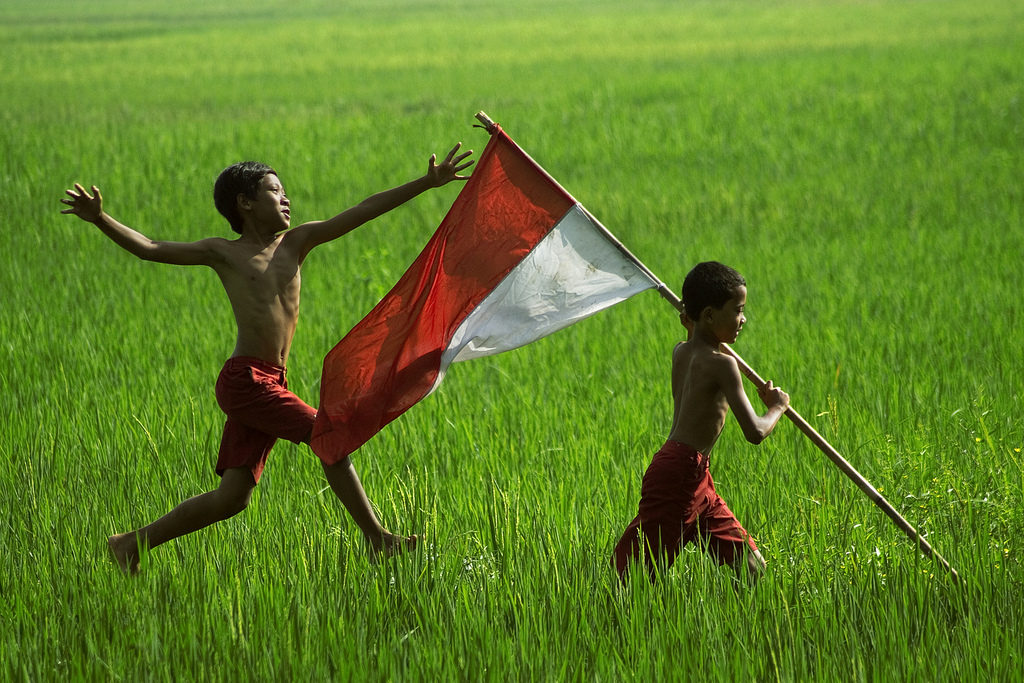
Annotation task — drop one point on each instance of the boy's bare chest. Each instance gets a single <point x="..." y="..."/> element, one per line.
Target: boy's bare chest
<point x="264" y="275"/>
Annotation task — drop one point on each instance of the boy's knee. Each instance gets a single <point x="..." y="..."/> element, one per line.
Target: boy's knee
<point x="235" y="491"/>
<point x="236" y="502"/>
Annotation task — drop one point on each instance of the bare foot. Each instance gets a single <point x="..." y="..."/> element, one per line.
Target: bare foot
<point x="124" y="550"/>
<point x="389" y="545"/>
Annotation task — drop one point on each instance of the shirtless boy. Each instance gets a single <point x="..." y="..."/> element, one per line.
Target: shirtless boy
<point x="260" y="271"/>
<point x="678" y="502"/>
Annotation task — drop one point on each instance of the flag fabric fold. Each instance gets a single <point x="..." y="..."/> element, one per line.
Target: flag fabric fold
<point x="515" y="259"/>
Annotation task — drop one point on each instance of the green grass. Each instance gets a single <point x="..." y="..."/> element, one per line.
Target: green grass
<point x="859" y="162"/>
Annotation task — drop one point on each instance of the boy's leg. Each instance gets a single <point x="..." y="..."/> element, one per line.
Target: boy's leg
<point x="227" y="500"/>
<point x="346" y="485"/>
<point x="730" y="543"/>
<point x="657" y="541"/>
<point x="664" y="512"/>
<point x="726" y="539"/>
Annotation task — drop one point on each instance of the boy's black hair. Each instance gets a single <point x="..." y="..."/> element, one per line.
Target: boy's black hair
<point x="241" y="178"/>
<point x="709" y="284"/>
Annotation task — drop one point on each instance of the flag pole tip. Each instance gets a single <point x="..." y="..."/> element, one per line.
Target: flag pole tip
<point x="488" y="124"/>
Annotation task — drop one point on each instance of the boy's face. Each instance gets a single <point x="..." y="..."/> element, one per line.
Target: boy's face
<point x="270" y="206"/>
<point x="727" y="321"/>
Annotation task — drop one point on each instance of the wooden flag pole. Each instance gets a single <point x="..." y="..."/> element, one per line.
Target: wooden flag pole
<point x="801" y="424"/>
<point x="486" y="122"/>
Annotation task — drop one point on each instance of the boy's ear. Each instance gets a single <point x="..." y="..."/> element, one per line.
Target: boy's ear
<point x="243" y="202"/>
<point x="707" y="313"/>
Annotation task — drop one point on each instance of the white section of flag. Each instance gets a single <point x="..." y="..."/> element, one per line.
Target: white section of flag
<point x="573" y="273"/>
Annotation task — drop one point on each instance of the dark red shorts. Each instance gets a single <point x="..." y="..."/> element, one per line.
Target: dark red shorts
<point x="678" y="505"/>
<point x="254" y="395"/>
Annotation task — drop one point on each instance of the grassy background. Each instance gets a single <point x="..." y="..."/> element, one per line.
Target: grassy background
<point x="859" y="162"/>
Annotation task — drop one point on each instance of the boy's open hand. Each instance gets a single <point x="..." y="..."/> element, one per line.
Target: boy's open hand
<point x="448" y="170"/>
<point x="82" y="204"/>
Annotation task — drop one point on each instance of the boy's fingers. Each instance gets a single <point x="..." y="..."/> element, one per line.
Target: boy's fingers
<point x="80" y="192"/>
<point x="454" y="150"/>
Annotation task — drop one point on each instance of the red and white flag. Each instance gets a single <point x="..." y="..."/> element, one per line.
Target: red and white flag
<point x="515" y="259"/>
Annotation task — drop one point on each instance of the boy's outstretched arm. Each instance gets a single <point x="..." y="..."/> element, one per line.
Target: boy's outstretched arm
<point x="315" y="233"/>
<point x="89" y="207"/>
<point x="755" y="427"/>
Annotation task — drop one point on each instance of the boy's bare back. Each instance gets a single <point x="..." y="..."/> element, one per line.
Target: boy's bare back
<point x="700" y="405"/>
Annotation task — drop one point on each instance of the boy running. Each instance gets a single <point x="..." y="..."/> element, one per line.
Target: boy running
<point x="678" y="502"/>
<point x="260" y="272"/>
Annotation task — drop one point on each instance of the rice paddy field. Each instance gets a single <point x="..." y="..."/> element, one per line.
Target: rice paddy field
<point x="859" y="162"/>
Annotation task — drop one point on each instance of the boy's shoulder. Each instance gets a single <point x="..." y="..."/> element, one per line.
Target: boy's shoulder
<point x="699" y="360"/>
<point x="230" y="247"/>
<point x="219" y="245"/>
<point x="697" y="350"/>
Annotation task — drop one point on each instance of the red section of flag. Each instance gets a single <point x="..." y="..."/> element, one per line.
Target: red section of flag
<point x="391" y="358"/>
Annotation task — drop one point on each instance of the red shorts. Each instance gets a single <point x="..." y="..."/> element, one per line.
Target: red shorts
<point x="678" y="505"/>
<point x="254" y="395"/>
